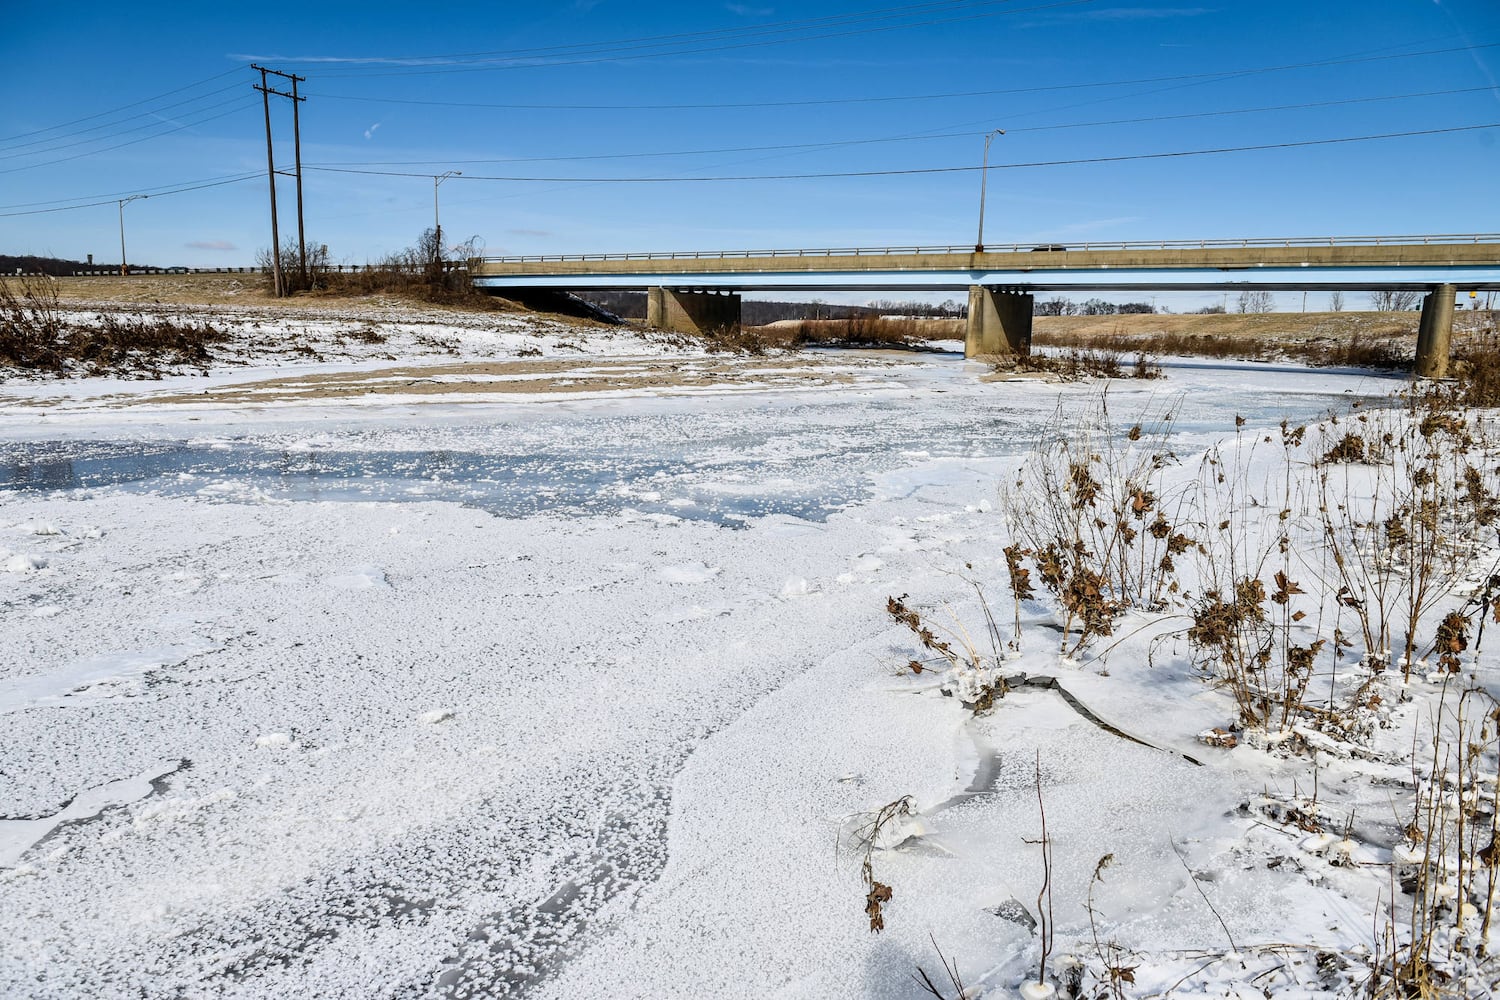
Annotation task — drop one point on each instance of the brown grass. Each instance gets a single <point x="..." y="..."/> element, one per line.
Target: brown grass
<point x="1082" y="363"/>
<point x="1355" y="350"/>
<point x="856" y="332"/>
<point x="35" y="335"/>
<point x="247" y="289"/>
<point x="1476" y="365"/>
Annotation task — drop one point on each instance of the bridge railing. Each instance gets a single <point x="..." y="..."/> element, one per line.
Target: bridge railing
<point x="1084" y="245"/>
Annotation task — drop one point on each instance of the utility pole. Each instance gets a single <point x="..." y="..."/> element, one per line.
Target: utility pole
<point x="265" y="92"/>
<point x="437" y="225"/>
<point x="297" y="152"/>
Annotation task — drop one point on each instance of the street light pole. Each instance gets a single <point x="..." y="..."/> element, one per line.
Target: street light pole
<point x="436" y="225"/>
<point x="984" y="173"/>
<point x="123" y="201"/>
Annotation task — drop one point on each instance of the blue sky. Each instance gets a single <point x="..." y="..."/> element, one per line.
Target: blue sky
<point x="107" y="100"/>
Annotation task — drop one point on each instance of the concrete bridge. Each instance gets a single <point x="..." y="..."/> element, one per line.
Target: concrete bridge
<point x="695" y="292"/>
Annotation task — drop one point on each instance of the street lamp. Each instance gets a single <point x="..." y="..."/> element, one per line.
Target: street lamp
<point x="984" y="173"/>
<point x="123" y="202"/>
<point x="436" y="225"/>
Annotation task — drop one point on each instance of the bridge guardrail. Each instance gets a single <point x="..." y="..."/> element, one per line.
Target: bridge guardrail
<point x="1089" y="245"/>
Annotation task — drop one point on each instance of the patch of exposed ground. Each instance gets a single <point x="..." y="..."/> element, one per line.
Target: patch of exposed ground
<point x="239" y="290"/>
<point x="542" y="378"/>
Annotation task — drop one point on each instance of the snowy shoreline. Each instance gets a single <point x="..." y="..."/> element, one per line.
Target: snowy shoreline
<point x="400" y="743"/>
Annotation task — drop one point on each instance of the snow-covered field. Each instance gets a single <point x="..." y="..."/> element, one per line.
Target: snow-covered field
<point x="582" y="690"/>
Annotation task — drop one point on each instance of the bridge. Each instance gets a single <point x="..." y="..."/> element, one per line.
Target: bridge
<point x="698" y="291"/>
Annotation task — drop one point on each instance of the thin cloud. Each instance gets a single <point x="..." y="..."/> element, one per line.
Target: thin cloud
<point x="353" y="60"/>
<point x="1141" y="13"/>
<point x="210" y="245"/>
<point x="1093" y="225"/>
<point x="370" y="132"/>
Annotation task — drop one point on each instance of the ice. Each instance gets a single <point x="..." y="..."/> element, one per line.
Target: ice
<point x="23" y="563"/>
<point x="586" y="716"/>
<point x="18" y="836"/>
<point x="359" y="578"/>
<point x="694" y="572"/>
<point x="92" y="678"/>
<point x="796" y="586"/>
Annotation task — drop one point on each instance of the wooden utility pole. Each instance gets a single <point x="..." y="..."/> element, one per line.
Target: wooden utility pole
<point x="265" y="92"/>
<point x="297" y="152"/>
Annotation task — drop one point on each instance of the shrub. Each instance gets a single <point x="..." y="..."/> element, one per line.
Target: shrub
<point x="1090" y="510"/>
<point x="1076" y="365"/>
<point x="36" y="335"/>
<point x="31" y="323"/>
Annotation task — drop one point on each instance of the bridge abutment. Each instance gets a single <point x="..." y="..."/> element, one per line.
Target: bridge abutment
<point x="1435" y="333"/>
<point x="999" y="322"/>
<point x="691" y="312"/>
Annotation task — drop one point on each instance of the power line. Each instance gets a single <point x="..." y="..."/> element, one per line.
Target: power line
<point x="753" y="105"/>
<point x="239" y="106"/>
<point x="838" y="143"/>
<point x="155" y="193"/>
<point x="167" y="189"/>
<point x="154" y="113"/>
<point x="774" y="27"/>
<point x="115" y="195"/>
<point x="929" y="170"/>
<point x="629" y="57"/>
<point x="231" y="105"/>
<point x="123" y="107"/>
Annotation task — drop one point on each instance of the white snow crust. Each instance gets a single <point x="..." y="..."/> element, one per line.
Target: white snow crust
<point x="268" y="741"/>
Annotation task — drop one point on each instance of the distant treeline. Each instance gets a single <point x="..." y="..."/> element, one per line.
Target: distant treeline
<point x="44" y="265"/>
<point x="632" y="305"/>
<point x="1058" y="306"/>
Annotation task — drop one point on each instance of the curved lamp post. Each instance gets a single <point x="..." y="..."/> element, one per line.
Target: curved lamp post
<point x="123" y="202"/>
<point x="984" y="173"/>
<point x="436" y="225"/>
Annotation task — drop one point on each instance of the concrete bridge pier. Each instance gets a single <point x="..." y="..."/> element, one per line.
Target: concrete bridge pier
<point x="691" y="312"/>
<point x="999" y="322"/>
<point x="1435" y="333"/>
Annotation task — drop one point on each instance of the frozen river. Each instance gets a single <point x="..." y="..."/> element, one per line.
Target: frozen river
<point x="486" y="700"/>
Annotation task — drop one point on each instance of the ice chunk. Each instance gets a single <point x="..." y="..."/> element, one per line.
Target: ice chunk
<point x="695" y="572"/>
<point x="359" y="578"/>
<point x="796" y="586"/>
<point x="23" y="563"/>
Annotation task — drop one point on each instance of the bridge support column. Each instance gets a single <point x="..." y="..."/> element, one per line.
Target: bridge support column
<point x="999" y="322"/>
<point x="691" y="312"/>
<point x="1435" y="332"/>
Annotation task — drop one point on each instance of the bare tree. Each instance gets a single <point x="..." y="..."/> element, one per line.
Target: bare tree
<point x="1255" y="302"/>
<point x="293" y="278"/>
<point x="1336" y="302"/>
<point x="1395" y="301"/>
<point x="1054" y="306"/>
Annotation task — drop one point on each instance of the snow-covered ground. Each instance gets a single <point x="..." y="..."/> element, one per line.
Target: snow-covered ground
<point x="581" y="693"/>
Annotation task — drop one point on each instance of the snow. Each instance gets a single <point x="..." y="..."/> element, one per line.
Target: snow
<point x="583" y="696"/>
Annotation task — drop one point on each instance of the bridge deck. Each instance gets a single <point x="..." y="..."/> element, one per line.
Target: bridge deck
<point x="1471" y="262"/>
